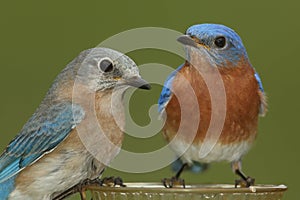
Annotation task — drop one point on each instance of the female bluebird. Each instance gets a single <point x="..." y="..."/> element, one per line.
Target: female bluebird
<point x="55" y="149"/>
<point x="212" y="49"/>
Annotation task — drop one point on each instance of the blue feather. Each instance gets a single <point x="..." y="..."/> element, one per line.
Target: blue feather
<point x="166" y="92"/>
<point x="41" y="134"/>
<point x="261" y="88"/>
<point x="207" y="33"/>
<point x="6" y="188"/>
<point x="196" y="167"/>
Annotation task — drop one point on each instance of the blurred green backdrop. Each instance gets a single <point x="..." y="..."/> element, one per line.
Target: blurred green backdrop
<point x="37" y="39"/>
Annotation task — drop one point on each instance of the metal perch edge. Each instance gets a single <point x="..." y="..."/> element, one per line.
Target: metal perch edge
<point x="156" y="191"/>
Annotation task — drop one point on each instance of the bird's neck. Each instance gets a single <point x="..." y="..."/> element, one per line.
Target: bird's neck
<point x="203" y="67"/>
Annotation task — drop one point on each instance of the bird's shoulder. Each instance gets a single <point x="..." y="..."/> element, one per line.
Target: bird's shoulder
<point x="166" y="92"/>
<point x="263" y="98"/>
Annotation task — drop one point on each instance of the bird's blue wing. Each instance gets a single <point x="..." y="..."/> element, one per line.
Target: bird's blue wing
<point x="262" y="108"/>
<point x="261" y="88"/>
<point x="40" y="135"/>
<point x="166" y="92"/>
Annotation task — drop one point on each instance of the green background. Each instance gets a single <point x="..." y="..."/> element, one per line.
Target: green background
<point x="37" y="39"/>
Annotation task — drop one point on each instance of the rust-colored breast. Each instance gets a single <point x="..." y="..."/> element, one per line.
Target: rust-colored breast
<point x="242" y="104"/>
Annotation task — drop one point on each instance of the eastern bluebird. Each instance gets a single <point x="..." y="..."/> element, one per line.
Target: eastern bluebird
<point x="212" y="48"/>
<point x="48" y="156"/>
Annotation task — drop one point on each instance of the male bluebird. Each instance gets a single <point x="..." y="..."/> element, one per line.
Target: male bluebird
<point x="212" y="47"/>
<point x="48" y="156"/>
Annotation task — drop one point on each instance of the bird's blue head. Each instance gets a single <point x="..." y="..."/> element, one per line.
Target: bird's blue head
<point x="220" y="42"/>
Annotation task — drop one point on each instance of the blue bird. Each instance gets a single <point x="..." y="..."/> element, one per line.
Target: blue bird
<point x="50" y="154"/>
<point x="212" y="50"/>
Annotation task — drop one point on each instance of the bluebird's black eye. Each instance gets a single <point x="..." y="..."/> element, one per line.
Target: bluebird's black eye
<point x="220" y="42"/>
<point x="106" y="65"/>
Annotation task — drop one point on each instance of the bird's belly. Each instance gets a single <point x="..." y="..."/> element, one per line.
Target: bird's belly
<point x="52" y="176"/>
<point x="217" y="152"/>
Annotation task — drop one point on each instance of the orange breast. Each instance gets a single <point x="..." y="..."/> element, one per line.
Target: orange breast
<point x="242" y="104"/>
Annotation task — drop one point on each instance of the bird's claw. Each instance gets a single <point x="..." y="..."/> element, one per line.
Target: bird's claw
<point x="82" y="186"/>
<point x="173" y="182"/>
<point x="245" y="182"/>
<point x="112" y="182"/>
<point x="88" y="182"/>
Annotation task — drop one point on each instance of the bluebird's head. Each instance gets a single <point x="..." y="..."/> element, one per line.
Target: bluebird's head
<point x="102" y="69"/>
<point x="222" y="44"/>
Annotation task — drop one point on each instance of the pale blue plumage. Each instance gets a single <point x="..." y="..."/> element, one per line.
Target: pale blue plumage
<point x="41" y="134"/>
<point x="70" y="100"/>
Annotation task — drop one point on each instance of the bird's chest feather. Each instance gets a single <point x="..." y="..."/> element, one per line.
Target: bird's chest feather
<point x="111" y="115"/>
<point x="242" y="105"/>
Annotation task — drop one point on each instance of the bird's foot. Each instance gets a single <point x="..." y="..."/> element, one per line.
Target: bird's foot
<point x="247" y="182"/>
<point x="89" y="182"/>
<point x="173" y="182"/>
<point x="112" y="182"/>
<point x="81" y="187"/>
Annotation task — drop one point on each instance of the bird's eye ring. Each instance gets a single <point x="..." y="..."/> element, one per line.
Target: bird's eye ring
<point x="105" y="65"/>
<point x="220" y="41"/>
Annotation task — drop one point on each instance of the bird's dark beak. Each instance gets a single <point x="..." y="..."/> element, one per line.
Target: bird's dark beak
<point x="187" y="40"/>
<point x="138" y="82"/>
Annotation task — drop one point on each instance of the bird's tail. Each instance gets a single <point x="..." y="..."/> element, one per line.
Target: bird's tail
<point x="195" y="168"/>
